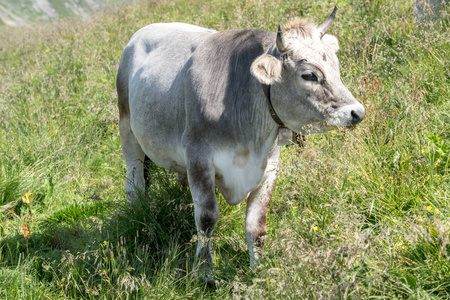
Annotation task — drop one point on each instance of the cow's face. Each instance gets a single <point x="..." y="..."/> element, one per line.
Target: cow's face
<point x="306" y="89"/>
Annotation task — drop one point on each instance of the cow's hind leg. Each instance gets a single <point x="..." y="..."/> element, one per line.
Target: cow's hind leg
<point x="134" y="159"/>
<point x="201" y="176"/>
<point x="257" y="206"/>
<point x="147" y="170"/>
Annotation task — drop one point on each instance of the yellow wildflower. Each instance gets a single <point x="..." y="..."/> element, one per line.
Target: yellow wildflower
<point x="27" y="197"/>
<point x="315" y="228"/>
<point x="429" y="207"/>
<point x="433" y="230"/>
<point x="436" y="210"/>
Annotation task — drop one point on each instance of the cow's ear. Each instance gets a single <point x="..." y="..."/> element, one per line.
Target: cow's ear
<point x="331" y="42"/>
<point x="266" y="69"/>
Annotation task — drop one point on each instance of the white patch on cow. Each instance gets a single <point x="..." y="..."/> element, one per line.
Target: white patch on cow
<point x="235" y="181"/>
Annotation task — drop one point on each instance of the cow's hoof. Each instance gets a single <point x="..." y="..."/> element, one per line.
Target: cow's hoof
<point x="209" y="280"/>
<point x="205" y="276"/>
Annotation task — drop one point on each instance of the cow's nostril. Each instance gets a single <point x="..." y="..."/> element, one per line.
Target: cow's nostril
<point x="357" y="116"/>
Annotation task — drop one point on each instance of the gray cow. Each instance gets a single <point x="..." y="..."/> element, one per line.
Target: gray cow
<point x="210" y="105"/>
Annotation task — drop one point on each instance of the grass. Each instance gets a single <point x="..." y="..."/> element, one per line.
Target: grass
<point x="356" y="214"/>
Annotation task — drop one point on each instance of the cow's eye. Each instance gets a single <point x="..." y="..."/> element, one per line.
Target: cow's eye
<point x="310" y="77"/>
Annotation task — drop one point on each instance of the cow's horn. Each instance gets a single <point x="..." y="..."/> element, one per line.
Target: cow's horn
<point x="323" y="28"/>
<point x="280" y="43"/>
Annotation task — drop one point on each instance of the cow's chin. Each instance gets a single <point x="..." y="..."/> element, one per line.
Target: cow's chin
<point x="322" y="127"/>
<point x="315" y="128"/>
<point x="341" y="124"/>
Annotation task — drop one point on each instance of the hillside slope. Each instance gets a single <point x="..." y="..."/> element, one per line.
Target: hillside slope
<point x="21" y="12"/>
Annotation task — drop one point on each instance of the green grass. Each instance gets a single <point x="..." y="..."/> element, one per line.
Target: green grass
<point x="356" y="214"/>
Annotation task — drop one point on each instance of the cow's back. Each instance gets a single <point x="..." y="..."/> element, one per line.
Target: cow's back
<point x="150" y="88"/>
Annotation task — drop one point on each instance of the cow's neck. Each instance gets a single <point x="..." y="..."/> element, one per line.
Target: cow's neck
<point x="264" y="129"/>
<point x="273" y="113"/>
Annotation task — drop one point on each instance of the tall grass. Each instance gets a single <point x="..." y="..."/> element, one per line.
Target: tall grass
<point x="356" y="214"/>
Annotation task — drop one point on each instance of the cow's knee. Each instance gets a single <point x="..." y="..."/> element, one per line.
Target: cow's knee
<point x="200" y="174"/>
<point x="256" y="233"/>
<point x="255" y="220"/>
<point x="207" y="218"/>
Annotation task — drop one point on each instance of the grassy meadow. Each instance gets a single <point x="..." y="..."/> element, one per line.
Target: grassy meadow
<point x="360" y="214"/>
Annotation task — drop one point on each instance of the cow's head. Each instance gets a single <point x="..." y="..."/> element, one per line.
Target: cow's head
<point x="303" y="71"/>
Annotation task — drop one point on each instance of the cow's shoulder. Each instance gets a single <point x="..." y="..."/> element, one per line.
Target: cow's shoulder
<point x="230" y="44"/>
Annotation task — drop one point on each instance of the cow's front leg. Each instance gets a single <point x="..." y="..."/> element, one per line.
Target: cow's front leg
<point x="201" y="174"/>
<point x="257" y="206"/>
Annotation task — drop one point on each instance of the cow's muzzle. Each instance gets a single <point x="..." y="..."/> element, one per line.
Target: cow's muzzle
<point x="357" y="116"/>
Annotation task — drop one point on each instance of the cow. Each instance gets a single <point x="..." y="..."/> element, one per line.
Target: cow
<point x="212" y="105"/>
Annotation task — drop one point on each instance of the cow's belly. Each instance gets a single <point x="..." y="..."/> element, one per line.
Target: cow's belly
<point x="237" y="174"/>
<point x="162" y="146"/>
<point x="164" y="158"/>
